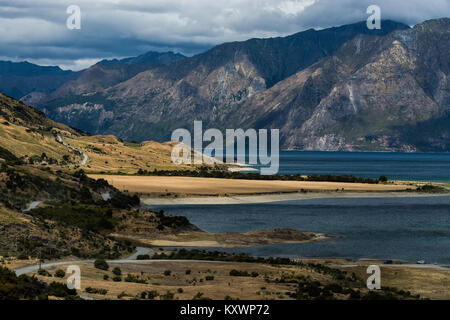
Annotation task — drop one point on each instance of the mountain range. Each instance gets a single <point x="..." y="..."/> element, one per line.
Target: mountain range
<point x="346" y="88"/>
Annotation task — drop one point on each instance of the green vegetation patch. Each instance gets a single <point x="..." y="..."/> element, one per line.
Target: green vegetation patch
<point x="208" y="172"/>
<point x="88" y="217"/>
<point x="13" y="287"/>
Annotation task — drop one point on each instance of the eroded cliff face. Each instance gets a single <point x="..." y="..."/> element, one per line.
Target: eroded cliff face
<point x="336" y="89"/>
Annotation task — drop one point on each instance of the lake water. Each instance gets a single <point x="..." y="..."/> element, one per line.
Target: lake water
<point x="401" y="166"/>
<point x="408" y="229"/>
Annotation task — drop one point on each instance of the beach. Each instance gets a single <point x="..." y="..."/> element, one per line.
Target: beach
<point x="270" y="198"/>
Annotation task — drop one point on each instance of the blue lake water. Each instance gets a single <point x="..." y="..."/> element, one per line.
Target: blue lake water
<point x="400" y="166"/>
<point x="408" y="229"/>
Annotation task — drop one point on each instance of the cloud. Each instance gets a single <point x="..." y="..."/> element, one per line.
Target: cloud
<point x="36" y="30"/>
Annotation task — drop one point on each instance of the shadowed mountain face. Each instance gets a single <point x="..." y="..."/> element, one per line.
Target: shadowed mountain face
<point x="346" y="88"/>
<point x="35" y="84"/>
<point x="22" y="78"/>
<point x="107" y="73"/>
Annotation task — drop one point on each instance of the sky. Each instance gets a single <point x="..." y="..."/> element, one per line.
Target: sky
<point x="36" y="30"/>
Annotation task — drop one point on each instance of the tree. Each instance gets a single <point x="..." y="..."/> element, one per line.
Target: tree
<point x="101" y="264"/>
<point x="117" y="271"/>
<point x="60" y="273"/>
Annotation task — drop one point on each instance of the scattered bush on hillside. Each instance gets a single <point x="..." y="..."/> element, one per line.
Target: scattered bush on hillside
<point x="96" y="291"/>
<point x="101" y="264"/>
<point x="13" y="287"/>
<point x="117" y="271"/>
<point x="60" y="273"/>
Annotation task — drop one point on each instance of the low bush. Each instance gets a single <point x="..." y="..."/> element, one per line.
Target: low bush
<point x="44" y="273"/>
<point x="101" y="264"/>
<point x="167" y="273"/>
<point x="132" y="278"/>
<point x="96" y="291"/>
<point x="117" y="271"/>
<point x="60" y="273"/>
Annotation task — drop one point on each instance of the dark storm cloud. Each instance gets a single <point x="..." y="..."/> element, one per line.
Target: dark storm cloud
<point x="36" y="30"/>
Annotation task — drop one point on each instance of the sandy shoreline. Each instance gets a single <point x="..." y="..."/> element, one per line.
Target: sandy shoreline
<point x="201" y="239"/>
<point x="270" y="198"/>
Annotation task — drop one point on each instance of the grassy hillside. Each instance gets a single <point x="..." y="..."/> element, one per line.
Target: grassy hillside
<point x="44" y="162"/>
<point x="28" y="134"/>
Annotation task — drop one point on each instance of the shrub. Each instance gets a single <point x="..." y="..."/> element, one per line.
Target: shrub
<point x="430" y="189"/>
<point x="151" y="295"/>
<point x="168" y="296"/>
<point x="132" y="278"/>
<point x="143" y="257"/>
<point x="180" y="290"/>
<point x="117" y="271"/>
<point x="105" y="277"/>
<point x="101" y="264"/>
<point x="117" y="279"/>
<point x="167" y="273"/>
<point x="200" y="296"/>
<point x="44" y="273"/>
<point x="96" y="291"/>
<point x="209" y="278"/>
<point x="122" y="294"/>
<point x="237" y="273"/>
<point x="188" y="271"/>
<point x="60" y="273"/>
<point x="60" y="290"/>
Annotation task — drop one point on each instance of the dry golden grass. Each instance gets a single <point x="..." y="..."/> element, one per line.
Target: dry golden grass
<point x="429" y="282"/>
<point x="20" y="142"/>
<point x="107" y="153"/>
<point x="187" y="186"/>
<point x="223" y="284"/>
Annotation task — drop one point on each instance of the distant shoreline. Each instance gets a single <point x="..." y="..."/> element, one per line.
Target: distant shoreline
<point x="273" y="198"/>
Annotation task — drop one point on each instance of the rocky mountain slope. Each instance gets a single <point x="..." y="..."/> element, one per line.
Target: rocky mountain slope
<point x="382" y="94"/>
<point x="18" y="79"/>
<point x="346" y="88"/>
<point x="33" y="83"/>
<point x="205" y="87"/>
<point x="107" y="73"/>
